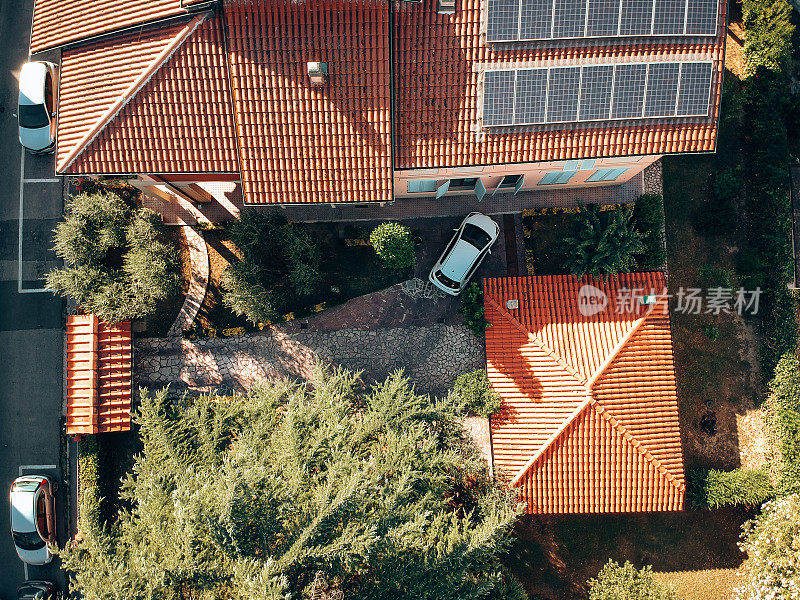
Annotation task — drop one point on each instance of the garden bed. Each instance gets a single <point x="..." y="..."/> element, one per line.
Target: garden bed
<point x="158" y="324"/>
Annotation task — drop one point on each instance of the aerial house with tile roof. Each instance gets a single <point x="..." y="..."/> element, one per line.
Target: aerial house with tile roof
<point x="589" y="415"/>
<point x="417" y="99"/>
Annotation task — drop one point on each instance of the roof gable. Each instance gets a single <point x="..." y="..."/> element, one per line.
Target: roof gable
<point x="552" y="365"/>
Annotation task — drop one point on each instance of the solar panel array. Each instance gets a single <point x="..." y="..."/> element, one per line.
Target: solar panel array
<point x="516" y="20"/>
<point x="596" y="93"/>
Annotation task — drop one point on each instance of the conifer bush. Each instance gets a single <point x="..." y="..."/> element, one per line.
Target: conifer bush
<point x="116" y="264"/>
<point x="714" y="489"/>
<point x="473" y="310"/>
<point x="377" y="493"/>
<point x="475" y="391"/>
<point x="394" y="245"/>
<point x="615" y="582"/>
<point x="782" y="417"/>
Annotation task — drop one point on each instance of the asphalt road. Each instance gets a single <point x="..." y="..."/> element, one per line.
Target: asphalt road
<point x="31" y="333"/>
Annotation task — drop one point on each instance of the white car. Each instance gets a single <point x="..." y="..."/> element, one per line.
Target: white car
<point x="37" y="106"/>
<point x="33" y="518"/>
<point x="464" y="253"/>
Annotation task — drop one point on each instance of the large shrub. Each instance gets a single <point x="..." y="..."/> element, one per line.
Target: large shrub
<point x="768" y="34"/>
<point x="714" y="489"/>
<point x="772" y="544"/>
<point x="648" y="217"/>
<point x="602" y="243"/>
<point x="615" y="582"/>
<point x="475" y="392"/>
<point x="371" y="494"/>
<point x="116" y="264"/>
<point x="782" y="416"/>
<point x="274" y="252"/>
<point x="393" y="244"/>
<point x="473" y="310"/>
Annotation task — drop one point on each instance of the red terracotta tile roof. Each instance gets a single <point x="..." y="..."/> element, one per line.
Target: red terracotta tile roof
<point x="155" y="102"/>
<point x="589" y="417"/>
<point x="301" y="143"/>
<point x="437" y="90"/>
<point x="99" y="375"/>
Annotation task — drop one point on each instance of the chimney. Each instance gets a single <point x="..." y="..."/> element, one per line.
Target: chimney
<point x="317" y="72"/>
<point x="445" y="7"/>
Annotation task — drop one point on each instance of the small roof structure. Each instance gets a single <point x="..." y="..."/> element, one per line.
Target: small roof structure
<point x="99" y="375"/>
<point x="589" y="418"/>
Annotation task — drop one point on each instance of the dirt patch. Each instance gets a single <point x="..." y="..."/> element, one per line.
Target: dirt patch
<point x="734" y="49"/>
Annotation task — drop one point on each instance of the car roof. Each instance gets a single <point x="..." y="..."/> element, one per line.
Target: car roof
<point x="31" y="83"/>
<point x="23" y="505"/>
<point x="484" y="222"/>
<point x="459" y="260"/>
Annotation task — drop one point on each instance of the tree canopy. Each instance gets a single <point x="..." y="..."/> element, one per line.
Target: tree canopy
<point x="299" y="491"/>
<point x="115" y="263"/>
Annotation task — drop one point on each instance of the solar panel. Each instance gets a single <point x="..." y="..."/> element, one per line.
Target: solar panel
<point x="662" y="89"/>
<point x="596" y="92"/>
<point x="531" y="91"/>
<point x="603" y="18"/>
<point x="669" y="17"/>
<point x="498" y="98"/>
<point x="694" y="90"/>
<point x="569" y="20"/>
<point x="562" y="94"/>
<point x="628" y="100"/>
<point x="536" y="19"/>
<point x="503" y="22"/>
<point x="701" y="17"/>
<point x="636" y="17"/>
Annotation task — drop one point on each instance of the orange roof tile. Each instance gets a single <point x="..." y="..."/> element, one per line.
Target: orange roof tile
<point x="438" y="59"/>
<point x="99" y="375"/>
<point x="589" y="417"/>
<point x="59" y="22"/>
<point x="300" y="143"/>
<point x="155" y="102"/>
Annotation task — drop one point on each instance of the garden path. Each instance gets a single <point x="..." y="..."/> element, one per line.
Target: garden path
<point x="198" y="257"/>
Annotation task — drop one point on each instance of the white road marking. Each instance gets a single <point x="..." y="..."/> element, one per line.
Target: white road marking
<point x="36" y="467"/>
<point x="25" y="568"/>
<point x="22" y="182"/>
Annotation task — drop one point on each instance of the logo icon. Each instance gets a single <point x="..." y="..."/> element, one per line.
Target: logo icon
<point x="591" y="300"/>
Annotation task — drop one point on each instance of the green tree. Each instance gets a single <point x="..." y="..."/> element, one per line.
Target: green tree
<point x="772" y="568"/>
<point x="602" y="243"/>
<point x="768" y="34"/>
<point x="376" y="494"/>
<point x="115" y="262"/>
<point x="393" y="244"/>
<point x="475" y="391"/>
<point x="615" y="582"/>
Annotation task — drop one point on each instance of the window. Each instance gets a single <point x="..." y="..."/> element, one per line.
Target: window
<point x="606" y="174"/>
<point x="467" y="183"/>
<point x="458" y="185"/>
<point x="557" y="177"/>
<point x="510" y="181"/>
<point x="421" y="186"/>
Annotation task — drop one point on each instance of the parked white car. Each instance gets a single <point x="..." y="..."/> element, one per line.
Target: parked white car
<point x="36" y="112"/>
<point x="464" y="253"/>
<point x="33" y="517"/>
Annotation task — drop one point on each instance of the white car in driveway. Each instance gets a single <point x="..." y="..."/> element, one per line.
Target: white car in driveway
<point x="464" y="253"/>
<point x="36" y="111"/>
<point x="33" y="518"/>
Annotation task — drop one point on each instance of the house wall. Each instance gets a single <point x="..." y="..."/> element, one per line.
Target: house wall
<point x="492" y="175"/>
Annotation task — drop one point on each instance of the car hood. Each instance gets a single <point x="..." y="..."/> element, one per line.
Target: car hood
<point x="35" y="139"/>
<point x="461" y="258"/>
<point x="31" y="83"/>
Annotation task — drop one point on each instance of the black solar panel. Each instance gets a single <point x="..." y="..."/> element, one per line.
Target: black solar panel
<point x="596" y="92"/>
<point x="628" y="100"/>
<point x="669" y="17"/>
<point x="562" y="95"/>
<point x="701" y="17"/>
<point x="637" y="16"/>
<point x="570" y="19"/>
<point x="694" y="91"/>
<point x="498" y="98"/>
<point x="531" y="91"/>
<point x="503" y="22"/>
<point x="662" y="89"/>
<point x="603" y="18"/>
<point x="537" y="18"/>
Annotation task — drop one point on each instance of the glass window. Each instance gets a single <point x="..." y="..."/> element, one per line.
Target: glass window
<point x="467" y="183"/>
<point x="606" y="174"/>
<point x="557" y="177"/>
<point x="510" y="181"/>
<point x="33" y="116"/>
<point x="475" y="236"/>
<point x="421" y="186"/>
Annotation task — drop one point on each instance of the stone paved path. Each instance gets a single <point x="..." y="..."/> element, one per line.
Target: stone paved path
<point x="198" y="256"/>
<point x="432" y="356"/>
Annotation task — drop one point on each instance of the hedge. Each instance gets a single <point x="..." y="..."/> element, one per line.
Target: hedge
<point x="714" y="489"/>
<point x="782" y="417"/>
<point x="89" y="483"/>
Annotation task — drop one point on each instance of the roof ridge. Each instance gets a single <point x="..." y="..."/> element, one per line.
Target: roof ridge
<point x="136" y="85"/>
<point x="550" y="440"/>
<point x="638" y="446"/>
<point x="539" y="342"/>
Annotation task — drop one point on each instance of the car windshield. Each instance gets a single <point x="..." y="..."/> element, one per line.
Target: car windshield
<point x="446" y="280"/>
<point x="32" y="116"/>
<point x="29" y="592"/>
<point x="28" y="541"/>
<point x="475" y="236"/>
